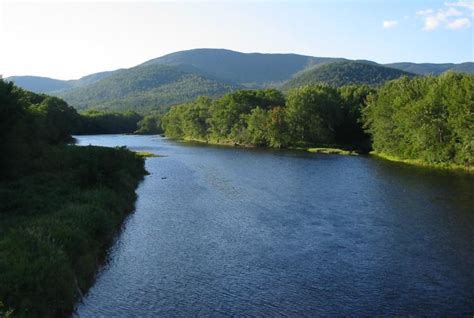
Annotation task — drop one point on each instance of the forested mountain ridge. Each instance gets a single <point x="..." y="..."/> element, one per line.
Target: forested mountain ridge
<point x="433" y="69"/>
<point x="145" y="87"/>
<point x="38" y="84"/>
<point x="243" y="68"/>
<point x="345" y="73"/>
<point x="181" y="76"/>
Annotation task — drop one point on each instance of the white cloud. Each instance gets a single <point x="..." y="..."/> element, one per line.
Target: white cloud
<point x="388" y="24"/>
<point x="425" y="12"/>
<point x="454" y="15"/>
<point x="462" y="4"/>
<point x="459" y="24"/>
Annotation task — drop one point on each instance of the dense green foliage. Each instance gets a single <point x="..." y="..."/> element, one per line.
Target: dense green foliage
<point x="318" y="115"/>
<point x="28" y="124"/>
<point x="426" y="118"/>
<point x="344" y="73"/>
<point x="56" y="223"/>
<point x="98" y="122"/>
<point x="150" y="125"/>
<point x="145" y="87"/>
<point x="59" y="204"/>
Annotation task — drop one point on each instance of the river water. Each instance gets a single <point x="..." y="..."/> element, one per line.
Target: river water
<point x="244" y="232"/>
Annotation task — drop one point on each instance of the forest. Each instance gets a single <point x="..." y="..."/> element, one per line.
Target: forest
<point x="60" y="204"/>
<point x="426" y="119"/>
<point x="344" y="73"/>
<point x="429" y="119"/>
<point x="145" y="87"/>
<point x="314" y="115"/>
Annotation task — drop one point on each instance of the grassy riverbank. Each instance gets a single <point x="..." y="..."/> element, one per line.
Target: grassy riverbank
<point x="227" y="143"/>
<point x="421" y="163"/>
<point x="332" y="151"/>
<point x="57" y="222"/>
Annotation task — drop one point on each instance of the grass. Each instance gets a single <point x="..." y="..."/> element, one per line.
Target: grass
<point x="57" y="223"/>
<point x="323" y="150"/>
<point x="421" y="163"/>
<point x="332" y="151"/>
<point x="146" y="154"/>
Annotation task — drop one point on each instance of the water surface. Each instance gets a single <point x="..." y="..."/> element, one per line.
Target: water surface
<point x="226" y="231"/>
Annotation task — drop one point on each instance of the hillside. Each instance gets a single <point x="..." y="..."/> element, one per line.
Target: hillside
<point x="435" y="69"/>
<point x="344" y="73"/>
<point x="252" y="69"/>
<point x="40" y="84"/>
<point x="145" y="87"/>
<point x="90" y="79"/>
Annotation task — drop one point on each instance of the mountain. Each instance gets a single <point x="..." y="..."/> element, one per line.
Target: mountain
<point x="90" y="79"/>
<point x="181" y="76"/>
<point x="40" y="84"/>
<point x="144" y="87"/>
<point x="250" y="69"/>
<point x="435" y="69"/>
<point x="344" y="73"/>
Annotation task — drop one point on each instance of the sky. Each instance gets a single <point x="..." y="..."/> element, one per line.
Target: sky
<point x="70" y="39"/>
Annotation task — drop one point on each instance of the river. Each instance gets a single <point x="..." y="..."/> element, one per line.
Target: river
<point x="221" y="231"/>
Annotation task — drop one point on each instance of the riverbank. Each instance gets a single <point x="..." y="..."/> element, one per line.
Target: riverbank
<point x="321" y="150"/>
<point x="332" y="151"/>
<point x="57" y="223"/>
<point x="420" y="163"/>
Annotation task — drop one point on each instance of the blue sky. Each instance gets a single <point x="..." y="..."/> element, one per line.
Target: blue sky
<point x="67" y="40"/>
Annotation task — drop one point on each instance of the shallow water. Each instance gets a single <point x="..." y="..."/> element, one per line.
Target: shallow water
<point x="227" y="231"/>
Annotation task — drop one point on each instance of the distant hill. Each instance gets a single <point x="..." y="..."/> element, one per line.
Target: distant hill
<point x="145" y="87"/>
<point x="345" y="73"/>
<point x="435" y="69"/>
<point x="90" y="79"/>
<point x="181" y="76"/>
<point x="251" y="69"/>
<point x="39" y="84"/>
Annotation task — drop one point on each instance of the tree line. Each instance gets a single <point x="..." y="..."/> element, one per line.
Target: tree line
<point x="427" y="118"/>
<point x="307" y="116"/>
<point x="53" y="121"/>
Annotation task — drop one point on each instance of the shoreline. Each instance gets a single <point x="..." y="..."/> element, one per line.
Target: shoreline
<point x="319" y="150"/>
<point x="420" y="163"/>
<point x="82" y="195"/>
<point x="342" y="152"/>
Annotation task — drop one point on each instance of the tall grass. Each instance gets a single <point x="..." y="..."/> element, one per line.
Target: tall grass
<point x="57" y="222"/>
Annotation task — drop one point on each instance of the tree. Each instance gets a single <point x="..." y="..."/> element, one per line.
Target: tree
<point x="313" y="114"/>
<point x="349" y="130"/>
<point x="55" y="120"/>
<point x="277" y="132"/>
<point x="257" y="127"/>
<point x="150" y="124"/>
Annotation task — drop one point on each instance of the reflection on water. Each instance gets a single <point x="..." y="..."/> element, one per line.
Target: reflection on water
<point x="278" y="233"/>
